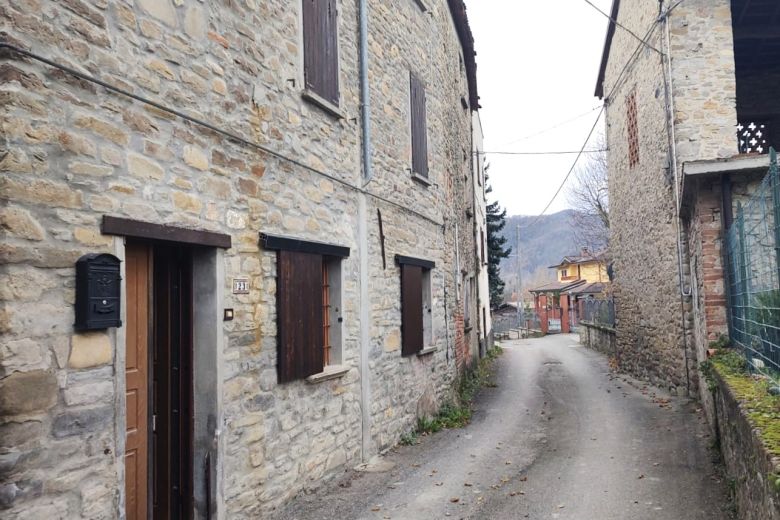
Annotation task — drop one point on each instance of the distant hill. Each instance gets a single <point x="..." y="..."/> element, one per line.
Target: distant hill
<point x="541" y="245"/>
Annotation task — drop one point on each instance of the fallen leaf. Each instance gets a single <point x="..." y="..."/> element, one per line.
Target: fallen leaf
<point x="468" y="484"/>
<point x="454" y="500"/>
<point x="440" y="484"/>
<point x="523" y="479"/>
<point x="375" y="508"/>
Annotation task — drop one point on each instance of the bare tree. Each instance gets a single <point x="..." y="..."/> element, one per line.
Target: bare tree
<point x="588" y="196"/>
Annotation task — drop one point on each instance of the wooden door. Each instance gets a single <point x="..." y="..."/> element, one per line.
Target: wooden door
<point x="137" y="264"/>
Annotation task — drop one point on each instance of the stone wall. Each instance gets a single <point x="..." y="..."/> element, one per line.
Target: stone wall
<point x="643" y="243"/>
<point x="599" y="338"/>
<point x="73" y="152"/>
<point x="748" y="463"/>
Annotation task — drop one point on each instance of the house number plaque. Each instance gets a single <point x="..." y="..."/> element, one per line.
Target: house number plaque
<point x="240" y="286"/>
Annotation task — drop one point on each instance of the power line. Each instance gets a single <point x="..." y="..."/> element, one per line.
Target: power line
<point x="628" y="63"/>
<point x="540" y="153"/>
<point x="556" y="126"/>
<point x="629" y="31"/>
<point x="213" y="128"/>
<point x="565" y="179"/>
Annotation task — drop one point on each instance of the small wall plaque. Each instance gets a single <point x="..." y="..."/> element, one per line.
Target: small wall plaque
<point x="240" y="286"/>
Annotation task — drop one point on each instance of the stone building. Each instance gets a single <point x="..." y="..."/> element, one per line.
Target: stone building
<point x="288" y="188"/>
<point x="675" y="103"/>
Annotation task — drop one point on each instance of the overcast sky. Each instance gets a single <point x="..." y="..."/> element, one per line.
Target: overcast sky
<point x="537" y="64"/>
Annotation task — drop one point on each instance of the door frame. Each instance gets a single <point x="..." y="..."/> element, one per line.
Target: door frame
<point x="208" y="346"/>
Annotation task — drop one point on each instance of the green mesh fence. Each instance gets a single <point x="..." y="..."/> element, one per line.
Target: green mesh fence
<point x="753" y="249"/>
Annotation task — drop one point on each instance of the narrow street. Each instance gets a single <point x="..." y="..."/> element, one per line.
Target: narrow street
<point x="559" y="436"/>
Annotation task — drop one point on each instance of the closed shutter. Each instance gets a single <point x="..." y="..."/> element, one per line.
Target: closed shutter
<point x="411" y="309"/>
<point x="320" y="48"/>
<point x="419" y="127"/>
<point x="299" y="295"/>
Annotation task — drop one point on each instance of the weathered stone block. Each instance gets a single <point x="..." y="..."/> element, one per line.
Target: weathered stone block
<point x="144" y="168"/>
<point x="90" y="349"/>
<point x="81" y="422"/>
<point x="163" y="10"/>
<point x="28" y="392"/>
<point x="19" y="222"/>
<point x="196" y="158"/>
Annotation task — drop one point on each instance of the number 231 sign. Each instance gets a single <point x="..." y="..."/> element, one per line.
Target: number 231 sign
<point x="240" y="286"/>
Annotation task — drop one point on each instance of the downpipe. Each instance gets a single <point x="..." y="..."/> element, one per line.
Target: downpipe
<point x="666" y="65"/>
<point x="365" y="307"/>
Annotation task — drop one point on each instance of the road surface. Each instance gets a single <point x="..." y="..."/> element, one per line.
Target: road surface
<point x="558" y="437"/>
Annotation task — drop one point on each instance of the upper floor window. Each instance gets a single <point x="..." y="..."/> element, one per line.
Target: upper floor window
<point x="419" y="126"/>
<point x="320" y="49"/>
<point x="632" y="130"/>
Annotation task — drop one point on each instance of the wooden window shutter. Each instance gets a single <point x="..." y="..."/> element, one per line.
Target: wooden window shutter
<point x="299" y="308"/>
<point x="419" y="126"/>
<point x="411" y="309"/>
<point x="320" y="48"/>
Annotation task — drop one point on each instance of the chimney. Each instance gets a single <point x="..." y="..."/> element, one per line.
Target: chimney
<point x="585" y="252"/>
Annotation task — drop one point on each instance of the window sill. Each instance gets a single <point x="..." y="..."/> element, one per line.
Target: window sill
<point x="324" y="104"/>
<point x="427" y="351"/>
<point x="330" y="372"/>
<point x="416" y="177"/>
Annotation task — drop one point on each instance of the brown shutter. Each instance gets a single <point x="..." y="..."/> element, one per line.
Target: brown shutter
<point x="411" y="309"/>
<point x="299" y="308"/>
<point x="320" y="48"/>
<point x="419" y="127"/>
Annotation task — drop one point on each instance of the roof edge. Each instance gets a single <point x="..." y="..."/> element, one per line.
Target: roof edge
<point x="607" y="48"/>
<point x="466" y="37"/>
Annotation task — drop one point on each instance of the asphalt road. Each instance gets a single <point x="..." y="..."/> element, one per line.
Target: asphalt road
<point x="558" y="437"/>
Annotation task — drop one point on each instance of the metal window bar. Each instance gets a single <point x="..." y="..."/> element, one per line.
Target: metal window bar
<point x="753" y="254"/>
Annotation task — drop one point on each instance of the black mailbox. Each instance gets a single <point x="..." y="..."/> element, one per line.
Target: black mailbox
<point x="97" y="292"/>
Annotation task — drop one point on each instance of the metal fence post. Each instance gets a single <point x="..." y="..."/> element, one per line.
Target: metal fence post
<point x="742" y="267"/>
<point x="774" y="174"/>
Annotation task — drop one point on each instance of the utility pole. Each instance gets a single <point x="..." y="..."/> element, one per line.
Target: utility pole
<point x="520" y="310"/>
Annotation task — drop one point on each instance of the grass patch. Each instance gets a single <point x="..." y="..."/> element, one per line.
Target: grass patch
<point x="457" y="413"/>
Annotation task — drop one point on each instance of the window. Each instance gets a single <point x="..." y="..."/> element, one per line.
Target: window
<point x="632" y="130"/>
<point x="320" y="49"/>
<point x="564" y="273"/>
<point x="416" y="311"/>
<point x="308" y="306"/>
<point x="419" y="126"/>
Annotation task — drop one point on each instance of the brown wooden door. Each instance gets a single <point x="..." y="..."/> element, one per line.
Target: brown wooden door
<point x="138" y="258"/>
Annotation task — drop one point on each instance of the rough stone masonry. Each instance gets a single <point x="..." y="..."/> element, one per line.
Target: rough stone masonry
<point x="74" y="152"/>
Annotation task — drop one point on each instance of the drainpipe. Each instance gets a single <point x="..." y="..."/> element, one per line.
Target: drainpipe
<point x="669" y="90"/>
<point x="365" y="307"/>
<point x="365" y="94"/>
